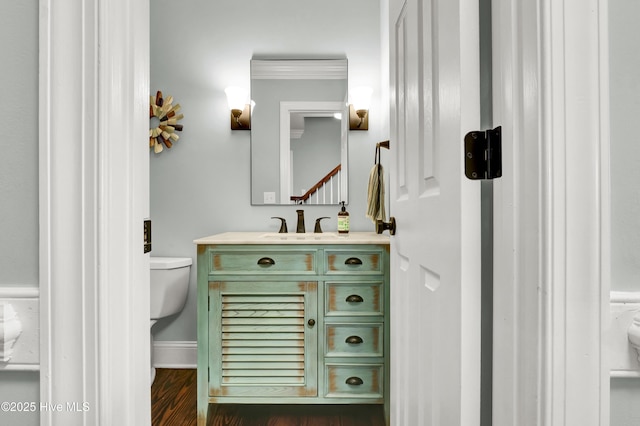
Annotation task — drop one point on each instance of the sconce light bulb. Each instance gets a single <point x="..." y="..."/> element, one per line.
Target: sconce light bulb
<point x="236" y="97"/>
<point x="240" y="106"/>
<point x="361" y="97"/>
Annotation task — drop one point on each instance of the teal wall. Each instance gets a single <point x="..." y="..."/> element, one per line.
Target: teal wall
<point x="19" y="144"/>
<point x="625" y="401"/>
<point x="624" y="59"/>
<point x="20" y="387"/>
<point x="625" y="145"/>
<point x="19" y="178"/>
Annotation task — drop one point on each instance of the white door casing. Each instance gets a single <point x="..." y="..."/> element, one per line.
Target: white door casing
<point x="94" y="186"/>
<point x="517" y="215"/>
<point x="435" y="255"/>
<point x="551" y="217"/>
<point x="576" y="204"/>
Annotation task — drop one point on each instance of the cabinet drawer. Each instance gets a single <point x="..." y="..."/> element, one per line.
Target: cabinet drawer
<point x="361" y="340"/>
<point x="354" y="380"/>
<point x="248" y="262"/>
<point x="353" y="261"/>
<point x="360" y="298"/>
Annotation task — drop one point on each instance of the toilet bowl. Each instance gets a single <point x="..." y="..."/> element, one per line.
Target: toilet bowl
<point x="169" y="283"/>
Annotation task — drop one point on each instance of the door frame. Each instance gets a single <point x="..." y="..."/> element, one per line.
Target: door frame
<point x="551" y="213"/>
<point x="93" y="197"/>
<point x="317" y="109"/>
<point x="558" y="391"/>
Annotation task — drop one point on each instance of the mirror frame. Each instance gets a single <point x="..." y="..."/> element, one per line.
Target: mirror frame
<point x="288" y="107"/>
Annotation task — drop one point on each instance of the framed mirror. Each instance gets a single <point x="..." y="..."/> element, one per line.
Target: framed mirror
<point x="299" y="131"/>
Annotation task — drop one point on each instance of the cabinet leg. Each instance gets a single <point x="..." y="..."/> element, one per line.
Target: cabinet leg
<point x="202" y="416"/>
<point x="202" y="420"/>
<point x="206" y="413"/>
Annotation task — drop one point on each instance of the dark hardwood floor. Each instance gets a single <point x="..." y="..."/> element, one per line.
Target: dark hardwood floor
<point x="173" y="399"/>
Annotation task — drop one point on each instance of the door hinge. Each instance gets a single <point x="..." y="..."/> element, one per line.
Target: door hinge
<point x="147" y="235"/>
<point x="483" y="154"/>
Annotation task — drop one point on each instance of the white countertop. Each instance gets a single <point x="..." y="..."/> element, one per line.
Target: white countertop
<point x="294" y="238"/>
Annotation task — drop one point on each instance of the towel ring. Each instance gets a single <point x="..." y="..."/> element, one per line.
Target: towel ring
<point x="383" y="144"/>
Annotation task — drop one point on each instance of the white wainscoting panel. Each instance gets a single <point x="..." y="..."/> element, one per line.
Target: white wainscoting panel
<point x="175" y="354"/>
<point x="21" y="308"/>
<point x="10" y="330"/>
<point x="623" y="357"/>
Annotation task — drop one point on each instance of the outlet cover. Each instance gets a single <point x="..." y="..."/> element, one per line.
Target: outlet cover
<point x="269" y="197"/>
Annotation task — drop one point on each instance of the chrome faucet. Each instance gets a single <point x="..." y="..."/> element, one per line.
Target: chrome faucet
<point x="300" y="228"/>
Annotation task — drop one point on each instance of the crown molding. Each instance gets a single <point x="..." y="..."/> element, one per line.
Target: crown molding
<point x="299" y="69"/>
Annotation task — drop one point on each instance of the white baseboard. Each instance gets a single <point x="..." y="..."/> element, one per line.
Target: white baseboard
<point x="175" y="354"/>
<point x="623" y="358"/>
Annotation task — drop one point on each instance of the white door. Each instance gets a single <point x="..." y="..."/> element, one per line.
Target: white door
<point x="435" y="254"/>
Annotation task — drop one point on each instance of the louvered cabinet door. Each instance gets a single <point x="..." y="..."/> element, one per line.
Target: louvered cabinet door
<point x="262" y="339"/>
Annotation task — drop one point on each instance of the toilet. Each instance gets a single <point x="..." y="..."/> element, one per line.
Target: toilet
<point x="169" y="287"/>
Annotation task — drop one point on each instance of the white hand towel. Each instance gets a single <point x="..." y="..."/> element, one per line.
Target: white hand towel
<point x="375" y="194"/>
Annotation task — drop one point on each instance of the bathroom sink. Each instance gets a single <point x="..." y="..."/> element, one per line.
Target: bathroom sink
<point x="299" y="237"/>
<point x="294" y="238"/>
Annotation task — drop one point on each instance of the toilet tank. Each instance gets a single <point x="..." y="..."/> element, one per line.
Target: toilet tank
<point x="169" y="262"/>
<point x="169" y="282"/>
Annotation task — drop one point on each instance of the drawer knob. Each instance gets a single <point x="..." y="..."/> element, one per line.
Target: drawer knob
<point x="354" y="381"/>
<point x="354" y="340"/>
<point x="352" y="261"/>
<point x="311" y="322"/>
<point x="354" y="298"/>
<point x="266" y="261"/>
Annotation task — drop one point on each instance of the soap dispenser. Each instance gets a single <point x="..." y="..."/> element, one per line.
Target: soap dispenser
<point x="343" y="220"/>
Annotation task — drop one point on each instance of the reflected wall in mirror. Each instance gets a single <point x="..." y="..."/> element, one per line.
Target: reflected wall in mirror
<point x="299" y="131"/>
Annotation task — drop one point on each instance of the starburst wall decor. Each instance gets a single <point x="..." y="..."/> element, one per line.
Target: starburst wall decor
<point x="164" y="122"/>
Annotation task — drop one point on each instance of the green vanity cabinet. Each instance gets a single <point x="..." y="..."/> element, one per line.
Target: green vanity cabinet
<point x="262" y="338"/>
<point x="302" y="321"/>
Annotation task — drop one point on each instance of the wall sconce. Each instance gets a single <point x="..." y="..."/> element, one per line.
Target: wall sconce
<point x="240" y="109"/>
<point x="359" y="108"/>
